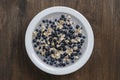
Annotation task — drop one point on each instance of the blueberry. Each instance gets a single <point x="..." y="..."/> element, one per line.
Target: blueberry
<point x="36" y="30"/>
<point x="56" y="65"/>
<point x="37" y="43"/>
<point x="77" y="26"/>
<point x="64" y="26"/>
<point x="83" y="37"/>
<point x="64" y="48"/>
<point x="59" y="60"/>
<point x="39" y="47"/>
<point x="72" y="58"/>
<point x="70" y="27"/>
<point x="63" y="64"/>
<point x="46" y="20"/>
<point x="47" y="62"/>
<point x="72" y="61"/>
<point x="77" y="50"/>
<point x="35" y="46"/>
<point x="79" y="53"/>
<point x="59" y="48"/>
<point x="55" y="20"/>
<point x="38" y="35"/>
<point x="53" y="26"/>
<point x="50" y="39"/>
<point x="34" y="40"/>
<point x="43" y="47"/>
<point x="71" y="31"/>
<point x="72" y="54"/>
<point x="58" y="30"/>
<point x="65" y="54"/>
<point x="67" y="62"/>
<point x="82" y="40"/>
<point x="44" y="60"/>
<point x="47" y="55"/>
<point x="79" y="46"/>
<point x="40" y="25"/>
<point x="39" y="31"/>
<point x="80" y="35"/>
<point x="62" y="16"/>
<point x="52" y="52"/>
<point x="50" y="21"/>
<point x="60" y="64"/>
<point x="52" y="60"/>
<point x="64" y="19"/>
<point x="37" y="52"/>
<point x="44" y="37"/>
<point x="43" y="21"/>
<point x="62" y="56"/>
<point x="51" y="63"/>
<point x="75" y="54"/>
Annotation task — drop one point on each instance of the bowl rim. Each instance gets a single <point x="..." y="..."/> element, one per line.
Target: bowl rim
<point x="39" y="63"/>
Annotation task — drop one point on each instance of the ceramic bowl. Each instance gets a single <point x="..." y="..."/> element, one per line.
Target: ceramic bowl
<point x="55" y="70"/>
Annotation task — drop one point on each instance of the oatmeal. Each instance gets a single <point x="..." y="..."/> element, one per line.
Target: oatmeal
<point x="59" y="40"/>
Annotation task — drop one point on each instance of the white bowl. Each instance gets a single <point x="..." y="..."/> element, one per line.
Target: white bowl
<point x="38" y="62"/>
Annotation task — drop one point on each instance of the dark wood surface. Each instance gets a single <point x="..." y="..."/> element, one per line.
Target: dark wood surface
<point x="104" y="17"/>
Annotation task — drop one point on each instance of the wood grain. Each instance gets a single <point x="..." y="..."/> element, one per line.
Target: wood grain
<point x="104" y="17"/>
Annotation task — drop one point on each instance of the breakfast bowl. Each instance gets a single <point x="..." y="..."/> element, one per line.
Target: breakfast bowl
<point x="59" y="40"/>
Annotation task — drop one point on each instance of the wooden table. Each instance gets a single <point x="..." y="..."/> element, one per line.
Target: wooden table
<point x="104" y="17"/>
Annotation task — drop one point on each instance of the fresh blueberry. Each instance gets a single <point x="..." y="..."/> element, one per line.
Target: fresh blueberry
<point x="77" y="50"/>
<point x="51" y="63"/>
<point x="79" y="53"/>
<point x="62" y="16"/>
<point x="52" y="60"/>
<point x="71" y="57"/>
<point x="83" y="37"/>
<point x="65" y="54"/>
<point x="37" y="43"/>
<point x="47" y="62"/>
<point x="64" y="48"/>
<point x="55" y="20"/>
<point x="52" y="52"/>
<point x="39" y="47"/>
<point x="40" y="25"/>
<point x="36" y="30"/>
<point x="67" y="62"/>
<point x="44" y="60"/>
<point x="44" y="37"/>
<point x="53" y="23"/>
<point x="70" y="27"/>
<point x="80" y="35"/>
<point x="63" y="64"/>
<point x="64" y="19"/>
<point x="39" y="32"/>
<point x="50" y="21"/>
<point x="82" y="40"/>
<point x="43" y="21"/>
<point x="43" y="47"/>
<point x="79" y="46"/>
<point x="34" y="40"/>
<point x="56" y="65"/>
<point x="38" y="35"/>
<point x="37" y="52"/>
<point x="71" y="31"/>
<point x="62" y="56"/>
<point x="47" y="20"/>
<point x="72" y="61"/>
<point x="77" y="26"/>
<point x="35" y="46"/>
<point x="50" y="39"/>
